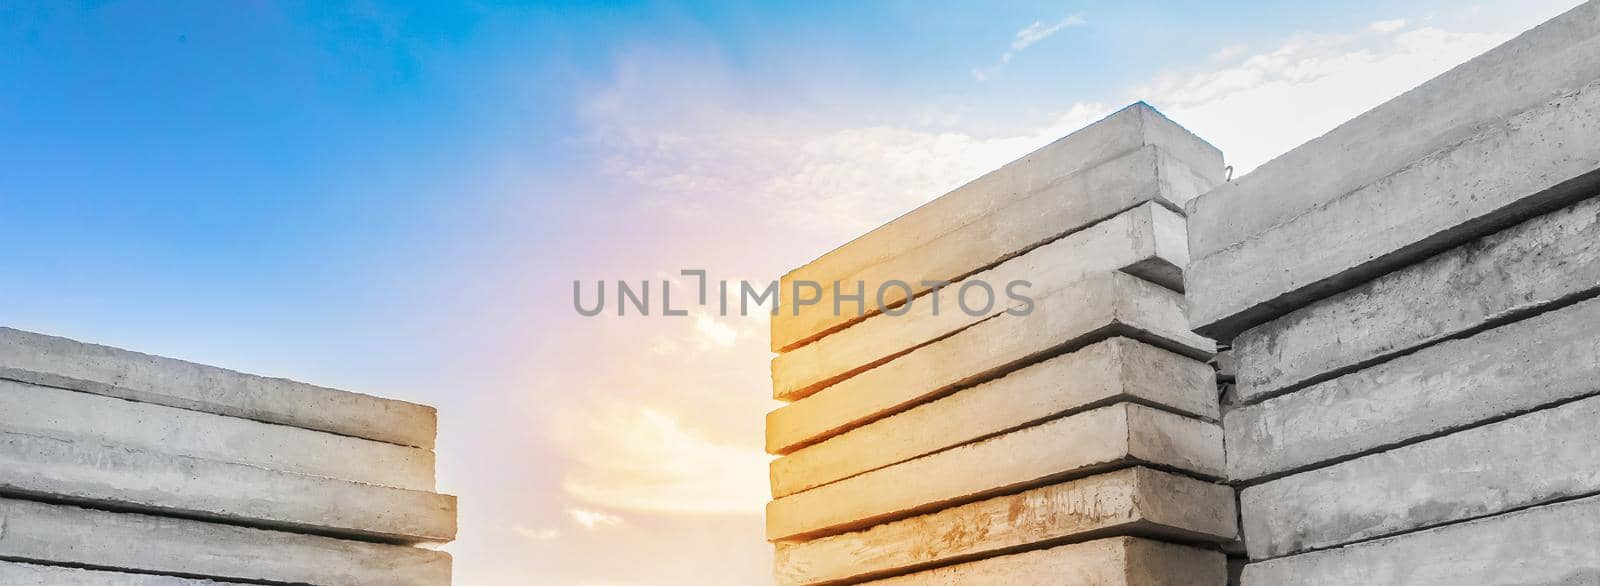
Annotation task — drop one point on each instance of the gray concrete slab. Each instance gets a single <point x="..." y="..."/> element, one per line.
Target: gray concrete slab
<point x="1083" y="312"/>
<point x="1496" y="373"/>
<point x="72" y="415"/>
<point x="1117" y="561"/>
<point x="1148" y="239"/>
<point x="1529" y="460"/>
<point x="1545" y="63"/>
<point x="15" y="574"/>
<point x="1086" y="443"/>
<point x="65" y="535"/>
<point x="1132" y="501"/>
<point x="68" y="364"/>
<point x="1542" y="546"/>
<point x="95" y="474"/>
<point x="1544" y="260"/>
<point x="1541" y="158"/>
<point x="1111" y="371"/>
<point x="1133" y="156"/>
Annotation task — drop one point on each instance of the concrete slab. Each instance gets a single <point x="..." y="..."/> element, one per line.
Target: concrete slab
<point x="1500" y="372"/>
<point x="64" y="535"/>
<point x="1111" y="371"/>
<point x="1093" y="441"/>
<point x="1542" y="546"/>
<point x="1545" y="260"/>
<point x="1132" y="501"/>
<point x="103" y="370"/>
<point x="1133" y="156"/>
<point x="71" y="415"/>
<point x="1083" y="312"/>
<point x="1545" y="63"/>
<point x="1148" y="241"/>
<point x="1529" y="460"/>
<point x="99" y="475"/>
<point x="1540" y="159"/>
<point x="1117" y="561"/>
<point x="15" y="574"/>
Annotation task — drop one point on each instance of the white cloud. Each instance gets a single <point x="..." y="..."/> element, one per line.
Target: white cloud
<point x="841" y="182"/>
<point x="1273" y="101"/>
<point x="543" y="534"/>
<point x="593" y="520"/>
<point x="1387" y="26"/>
<point x="1027" y="37"/>
<point x="711" y="332"/>
<point x="634" y="457"/>
<point x="1038" y="31"/>
<point x="1229" y="52"/>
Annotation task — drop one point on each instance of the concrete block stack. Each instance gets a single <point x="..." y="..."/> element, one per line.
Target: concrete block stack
<point x="1067" y="436"/>
<point x="1412" y="302"/>
<point x="120" y="468"/>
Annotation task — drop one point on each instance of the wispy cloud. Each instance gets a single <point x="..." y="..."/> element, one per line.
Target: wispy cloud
<point x="1269" y="102"/>
<point x="1027" y="37"/>
<point x="541" y="534"/>
<point x="637" y="457"/>
<point x="1387" y="26"/>
<point x="593" y="520"/>
<point x="1038" y="31"/>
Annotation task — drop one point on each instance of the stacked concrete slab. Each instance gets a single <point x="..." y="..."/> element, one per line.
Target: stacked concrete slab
<point x="120" y="468"/>
<point x="1067" y="436"/>
<point x="1412" y="305"/>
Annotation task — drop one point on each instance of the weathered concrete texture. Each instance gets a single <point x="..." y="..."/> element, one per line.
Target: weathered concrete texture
<point x="59" y="362"/>
<point x="1110" y="437"/>
<point x="1148" y="240"/>
<point x="1086" y="311"/>
<point x="1509" y="170"/>
<point x="15" y="574"/>
<point x="1543" y="546"/>
<point x="1528" y="460"/>
<point x="1499" y="372"/>
<point x="1117" y="561"/>
<point x="1550" y="61"/>
<point x="64" y="535"/>
<point x="1115" y="370"/>
<point x="74" y="416"/>
<point x="1543" y="260"/>
<point x="92" y="473"/>
<point x="1133" y="156"/>
<point x="1133" y="501"/>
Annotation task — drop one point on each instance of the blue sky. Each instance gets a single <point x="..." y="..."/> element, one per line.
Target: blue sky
<point x="395" y="197"/>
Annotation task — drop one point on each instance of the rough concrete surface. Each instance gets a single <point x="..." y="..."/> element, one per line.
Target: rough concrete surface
<point x="1528" y="460"/>
<point x="1543" y="260"/>
<point x="1512" y="169"/>
<point x="72" y="415"/>
<point x="1543" y="546"/>
<point x="1133" y="501"/>
<point x="1086" y="311"/>
<point x="1117" y="561"/>
<point x="92" y="473"/>
<point x="59" y="362"/>
<point x="1092" y="441"/>
<point x="1554" y="59"/>
<point x="1114" y="370"/>
<point x="15" y="574"/>
<point x="1499" y="372"/>
<point x="1148" y="239"/>
<point x="1132" y="156"/>
<point x="65" y="535"/>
